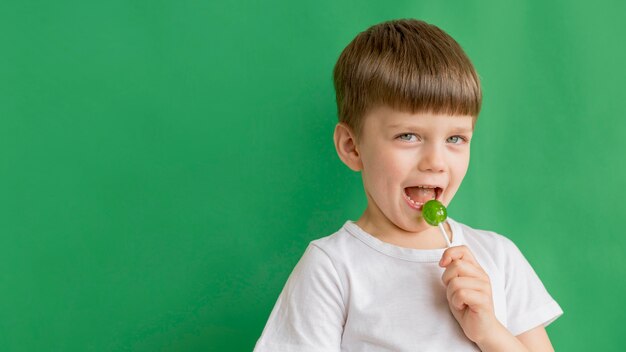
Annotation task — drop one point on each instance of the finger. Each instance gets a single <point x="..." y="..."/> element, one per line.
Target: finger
<point x="457" y="252"/>
<point x="475" y="300"/>
<point x="466" y="283"/>
<point x="460" y="268"/>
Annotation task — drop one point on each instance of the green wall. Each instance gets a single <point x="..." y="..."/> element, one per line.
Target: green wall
<point x="164" y="164"/>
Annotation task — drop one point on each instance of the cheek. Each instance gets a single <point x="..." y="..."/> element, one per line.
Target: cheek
<point x="390" y="167"/>
<point x="464" y="164"/>
<point x="460" y="168"/>
<point x="383" y="171"/>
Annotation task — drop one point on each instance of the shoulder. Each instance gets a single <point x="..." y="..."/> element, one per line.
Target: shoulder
<point x="337" y="244"/>
<point x="324" y="251"/>
<point x="343" y="250"/>
<point x="488" y="245"/>
<point x="483" y="237"/>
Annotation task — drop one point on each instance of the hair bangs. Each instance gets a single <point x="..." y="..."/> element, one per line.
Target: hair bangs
<point x="438" y="89"/>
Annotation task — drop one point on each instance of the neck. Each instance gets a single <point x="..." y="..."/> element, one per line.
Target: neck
<point x="425" y="236"/>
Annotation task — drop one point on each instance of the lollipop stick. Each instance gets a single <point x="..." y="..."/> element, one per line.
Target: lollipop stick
<point x="444" y="234"/>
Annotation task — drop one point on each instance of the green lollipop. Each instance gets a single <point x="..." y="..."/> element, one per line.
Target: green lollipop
<point x="435" y="214"/>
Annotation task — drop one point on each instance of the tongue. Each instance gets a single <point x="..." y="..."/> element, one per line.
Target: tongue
<point x="421" y="195"/>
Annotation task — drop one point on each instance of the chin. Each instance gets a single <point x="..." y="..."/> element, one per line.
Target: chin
<point x="415" y="225"/>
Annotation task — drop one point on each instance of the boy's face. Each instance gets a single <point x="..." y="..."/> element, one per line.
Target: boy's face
<point x="407" y="159"/>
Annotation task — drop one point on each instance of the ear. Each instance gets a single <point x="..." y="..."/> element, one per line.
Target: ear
<point x="346" y="146"/>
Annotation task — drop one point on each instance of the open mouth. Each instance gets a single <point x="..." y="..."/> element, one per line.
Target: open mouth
<point x="416" y="196"/>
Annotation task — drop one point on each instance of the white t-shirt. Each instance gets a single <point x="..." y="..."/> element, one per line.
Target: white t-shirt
<point x="352" y="292"/>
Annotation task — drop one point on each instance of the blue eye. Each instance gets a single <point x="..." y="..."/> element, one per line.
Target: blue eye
<point x="456" y="140"/>
<point x="407" y="137"/>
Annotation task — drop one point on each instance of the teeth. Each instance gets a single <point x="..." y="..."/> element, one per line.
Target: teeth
<point x="414" y="202"/>
<point x="419" y="203"/>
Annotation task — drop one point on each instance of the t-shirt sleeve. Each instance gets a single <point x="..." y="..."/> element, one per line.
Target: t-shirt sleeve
<point x="528" y="302"/>
<point x="309" y="314"/>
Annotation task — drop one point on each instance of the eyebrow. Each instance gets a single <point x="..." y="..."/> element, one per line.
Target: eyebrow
<point x="413" y="128"/>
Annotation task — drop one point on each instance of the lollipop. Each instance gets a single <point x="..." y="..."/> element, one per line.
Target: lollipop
<point x="435" y="214"/>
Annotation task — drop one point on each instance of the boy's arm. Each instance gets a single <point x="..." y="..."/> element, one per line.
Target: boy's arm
<point x="309" y="314"/>
<point x="534" y="340"/>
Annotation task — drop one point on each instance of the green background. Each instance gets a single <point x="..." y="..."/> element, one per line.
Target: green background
<point x="164" y="164"/>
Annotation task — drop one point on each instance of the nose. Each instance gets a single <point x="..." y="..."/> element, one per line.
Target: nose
<point x="432" y="158"/>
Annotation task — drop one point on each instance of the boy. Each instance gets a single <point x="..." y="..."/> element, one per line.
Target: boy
<point x="408" y="98"/>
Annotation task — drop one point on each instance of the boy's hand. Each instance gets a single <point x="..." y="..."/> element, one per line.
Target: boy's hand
<point x="469" y="293"/>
